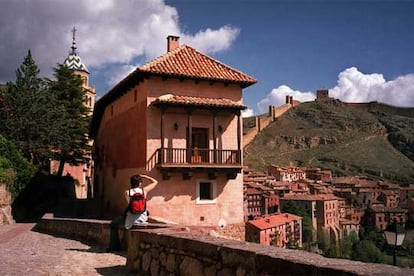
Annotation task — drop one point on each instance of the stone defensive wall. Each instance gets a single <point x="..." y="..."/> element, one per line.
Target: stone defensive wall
<point x="262" y="121"/>
<point x="161" y="249"/>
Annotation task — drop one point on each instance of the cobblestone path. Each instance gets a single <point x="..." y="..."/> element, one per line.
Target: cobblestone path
<point x="25" y="252"/>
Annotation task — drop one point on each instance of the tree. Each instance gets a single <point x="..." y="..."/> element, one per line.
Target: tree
<point x="366" y="251"/>
<point x="72" y="144"/>
<point x="15" y="171"/>
<point x="307" y="228"/>
<point x="28" y="113"/>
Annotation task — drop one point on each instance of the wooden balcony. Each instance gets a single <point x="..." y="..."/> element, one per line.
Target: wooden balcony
<point x="188" y="160"/>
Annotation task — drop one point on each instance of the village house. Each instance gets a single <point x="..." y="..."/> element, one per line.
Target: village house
<point x="323" y="209"/>
<point x="259" y="199"/>
<point x="406" y="193"/>
<point x="178" y="119"/>
<point x="277" y="230"/>
<point x="383" y="216"/>
<point x="289" y="174"/>
<point x="318" y="174"/>
<point x="254" y="199"/>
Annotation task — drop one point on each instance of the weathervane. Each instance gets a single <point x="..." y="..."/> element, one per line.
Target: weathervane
<point x="73" y="40"/>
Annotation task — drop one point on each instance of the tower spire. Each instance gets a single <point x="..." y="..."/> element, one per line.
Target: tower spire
<point x="74" y="40"/>
<point x="73" y="61"/>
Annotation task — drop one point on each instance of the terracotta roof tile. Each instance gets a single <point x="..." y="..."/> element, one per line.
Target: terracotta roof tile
<point x="198" y="101"/>
<point x="273" y="220"/>
<point x="186" y="61"/>
<point x="317" y="197"/>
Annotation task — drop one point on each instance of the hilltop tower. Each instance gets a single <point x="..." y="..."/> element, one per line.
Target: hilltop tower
<point x="82" y="173"/>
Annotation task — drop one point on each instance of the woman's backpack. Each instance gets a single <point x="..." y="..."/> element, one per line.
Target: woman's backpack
<point x="137" y="202"/>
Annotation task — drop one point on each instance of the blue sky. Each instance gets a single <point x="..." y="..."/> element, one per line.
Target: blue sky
<point x="359" y="50"/>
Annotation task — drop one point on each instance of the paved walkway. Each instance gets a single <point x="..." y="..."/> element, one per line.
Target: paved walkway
<point x="25" y="252"/>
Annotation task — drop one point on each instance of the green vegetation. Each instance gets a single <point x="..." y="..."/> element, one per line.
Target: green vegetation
<point x="72" y="138"/>
<point x="40" y="120"/>
<point x="307" y="229"/>
<point x="15" y="171"/>
<point x="373" y="140"/>
<point x="30" y="114"/>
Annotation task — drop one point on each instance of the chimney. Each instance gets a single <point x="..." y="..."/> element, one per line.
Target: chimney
<point x="172" y="42"/>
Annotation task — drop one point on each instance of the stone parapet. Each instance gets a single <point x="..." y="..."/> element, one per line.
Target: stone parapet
<point x="161" y="250"/>
<point x="168" y="251"/>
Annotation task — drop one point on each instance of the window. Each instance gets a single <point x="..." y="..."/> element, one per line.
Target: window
<point x="206" y="192"/>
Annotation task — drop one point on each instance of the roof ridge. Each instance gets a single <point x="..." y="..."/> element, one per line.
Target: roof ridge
<point x="187" y="61"/>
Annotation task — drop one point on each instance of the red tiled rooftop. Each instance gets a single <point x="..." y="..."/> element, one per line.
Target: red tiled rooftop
<point x="382" y="209"/>
<point x="252" y="191"/>
<point x="198" y="101"/>
<point x="273" y="220"/>
<point x="187" y="62"/>
<point x="311" y="197"/>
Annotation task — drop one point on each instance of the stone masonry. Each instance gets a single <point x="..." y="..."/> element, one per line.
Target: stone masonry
<point x="5" y="206"/>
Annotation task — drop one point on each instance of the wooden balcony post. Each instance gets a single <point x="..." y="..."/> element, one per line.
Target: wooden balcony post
<point x="238" y="136"/>
<point x="162" y="134"/>
<point x="189" y="133"/>
<point x="214" y="113"/>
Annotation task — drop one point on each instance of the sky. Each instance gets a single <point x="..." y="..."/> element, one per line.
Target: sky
<point x="360" y="50"/>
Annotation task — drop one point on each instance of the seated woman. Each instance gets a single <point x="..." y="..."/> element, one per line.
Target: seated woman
<point x="138" y="217"/>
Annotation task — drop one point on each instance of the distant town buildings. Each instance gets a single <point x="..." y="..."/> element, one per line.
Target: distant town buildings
<point x="277" y="230"/>
<point x="336" y="206"/>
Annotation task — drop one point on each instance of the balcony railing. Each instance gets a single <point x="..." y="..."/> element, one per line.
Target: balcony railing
<point x="183" y="157"/>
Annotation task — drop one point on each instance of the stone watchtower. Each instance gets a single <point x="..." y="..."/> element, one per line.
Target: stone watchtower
<point x="322" y="94"/>
<point x="83" y="172"/>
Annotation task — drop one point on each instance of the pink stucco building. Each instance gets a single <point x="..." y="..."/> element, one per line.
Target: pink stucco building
<point x="178" y="119"/>
<point x="277" y="230"/>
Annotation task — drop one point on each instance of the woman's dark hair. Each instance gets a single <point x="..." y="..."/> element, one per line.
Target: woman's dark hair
<point x="135" y="181"/>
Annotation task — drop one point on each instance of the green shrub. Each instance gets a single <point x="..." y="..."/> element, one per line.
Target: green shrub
<point x="7" y="174"/>
<point x="12" y="163"/>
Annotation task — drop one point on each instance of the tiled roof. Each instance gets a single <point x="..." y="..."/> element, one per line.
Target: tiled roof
<point x="184" y="63"/>
<point x="382" y="209"/>
<point x="273" y="220"/>
<point x="317" y="197"/>
<point x="74" y="62"/>
<point x="252" y="191"/>
<point x="197" y="101"/>
<point x="187" y="62"/>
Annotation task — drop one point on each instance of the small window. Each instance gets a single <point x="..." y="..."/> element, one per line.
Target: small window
<point x="206" y="192"/>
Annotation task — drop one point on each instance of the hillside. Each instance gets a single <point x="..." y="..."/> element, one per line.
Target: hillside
<point x="360" y="139"/>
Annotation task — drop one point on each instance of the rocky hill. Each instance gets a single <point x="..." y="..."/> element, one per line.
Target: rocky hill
<point x="370" y="139"/>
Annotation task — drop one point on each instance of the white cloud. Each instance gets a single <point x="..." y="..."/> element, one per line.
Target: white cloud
<point x="211" y="41"/>
<point x="278" y="95"/>
<point x="109" y="31"/>
<point x="354" y="86"/>
<point x="247" y="113"/>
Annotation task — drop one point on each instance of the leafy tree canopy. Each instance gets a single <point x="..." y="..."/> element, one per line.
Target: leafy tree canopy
<point x="29" y="114"/>
<point x="15" y="171"/>
<point x="72" y="144"/>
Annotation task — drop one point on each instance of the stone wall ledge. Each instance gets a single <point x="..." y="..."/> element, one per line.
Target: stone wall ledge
<point x="162" y="249"/>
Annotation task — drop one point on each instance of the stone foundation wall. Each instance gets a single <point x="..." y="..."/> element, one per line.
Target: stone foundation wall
<point x="162" y="250"/>
<point x="172" y="252"/>
<point x="5" y="206"/>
